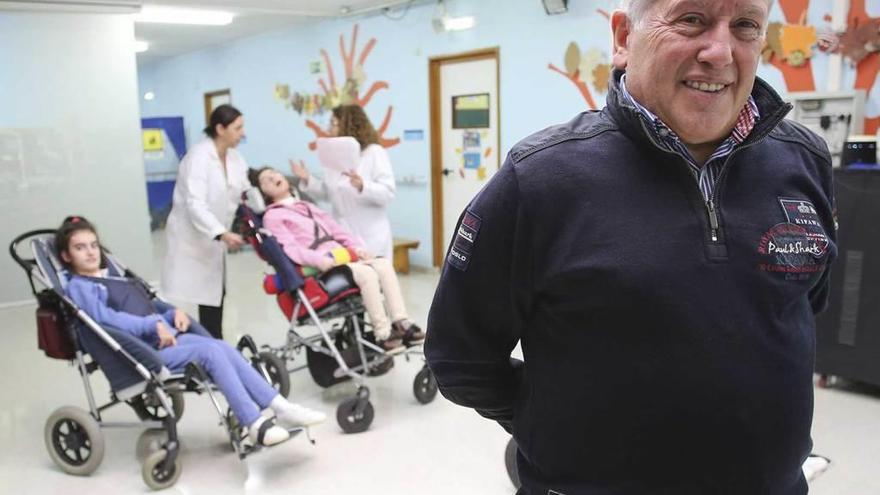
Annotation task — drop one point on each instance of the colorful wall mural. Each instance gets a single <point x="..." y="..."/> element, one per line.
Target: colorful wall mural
<point x="789" y="47"/>
<point x="592" y="65"/>
<point x="333" y="94"/>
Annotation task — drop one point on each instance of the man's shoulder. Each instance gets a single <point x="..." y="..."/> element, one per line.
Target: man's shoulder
<point x="582" y="127"/>
<point x="796" y="133"/>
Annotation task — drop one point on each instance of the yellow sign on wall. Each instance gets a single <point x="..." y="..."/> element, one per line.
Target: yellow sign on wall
<point x="153" y="140"/>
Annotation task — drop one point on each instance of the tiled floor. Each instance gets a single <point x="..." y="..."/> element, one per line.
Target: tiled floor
<point x="410" y="448"/>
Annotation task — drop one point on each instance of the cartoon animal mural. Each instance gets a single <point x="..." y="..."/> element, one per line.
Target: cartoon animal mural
<point x="789" y="48"/>
<point x="333" y="94"/>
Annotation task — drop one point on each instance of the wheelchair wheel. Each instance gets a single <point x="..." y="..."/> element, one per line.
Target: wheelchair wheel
<point x="425" y="386"/>
<point x="510" y="463"/>
<point x="74" y="440"/>
<point x="148" y="408"/>
<point x="159" y="474"/>
<point x="349" y="420"/>
<point x="149" y="441"/>
<point x="276" y="368"/>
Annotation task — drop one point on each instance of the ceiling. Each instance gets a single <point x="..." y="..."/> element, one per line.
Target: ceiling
<point x="253" y="17"/>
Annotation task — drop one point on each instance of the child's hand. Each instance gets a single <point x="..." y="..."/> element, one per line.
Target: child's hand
<point x="165" y="337"/>
<point x="181" y="320"/>
<point x="326" y="263"/>
<point x="363" y="254"/>
<point x="299" y="170"/>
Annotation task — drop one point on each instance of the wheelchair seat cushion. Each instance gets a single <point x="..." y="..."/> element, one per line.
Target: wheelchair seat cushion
<point x="337" y="280"/>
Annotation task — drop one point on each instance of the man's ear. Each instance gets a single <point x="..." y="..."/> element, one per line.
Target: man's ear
<point x="620" y="29"/>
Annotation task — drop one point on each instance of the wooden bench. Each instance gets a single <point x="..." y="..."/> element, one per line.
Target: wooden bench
<point x="401" y="254"/>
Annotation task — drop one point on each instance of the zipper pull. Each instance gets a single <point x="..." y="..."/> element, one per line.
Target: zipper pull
<point x="713" y="220"/>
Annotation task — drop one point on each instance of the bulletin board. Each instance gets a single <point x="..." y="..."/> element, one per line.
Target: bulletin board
<point x="470" y="111"/>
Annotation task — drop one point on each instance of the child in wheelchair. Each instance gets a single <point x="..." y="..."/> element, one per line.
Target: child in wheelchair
<point x="115" y="303"/>
<point x="311" y="238"/>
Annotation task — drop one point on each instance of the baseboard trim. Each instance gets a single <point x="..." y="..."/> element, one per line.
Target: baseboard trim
<point x="17" y="304"/>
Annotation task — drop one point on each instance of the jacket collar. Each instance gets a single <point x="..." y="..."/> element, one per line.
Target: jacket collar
<point x="628" y="118"/>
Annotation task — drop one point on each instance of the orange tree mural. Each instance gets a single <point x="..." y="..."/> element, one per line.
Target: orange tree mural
<point x="864" y="31"/>
<point x="581" y="67"/>
<point x="332" y="93"/>
<point x="788" y="48"/>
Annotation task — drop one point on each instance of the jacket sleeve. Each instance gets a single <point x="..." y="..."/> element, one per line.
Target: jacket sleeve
<point x="821" y="292"/>
<point x="92" y="299"/>
<point x="379" y="188"/>
<point x="300" y="254"/>
<point x="482" y="302"/>
<point x="197" y="199"/>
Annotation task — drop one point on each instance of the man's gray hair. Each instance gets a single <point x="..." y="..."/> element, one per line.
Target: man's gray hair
<point x="636" y="10"/>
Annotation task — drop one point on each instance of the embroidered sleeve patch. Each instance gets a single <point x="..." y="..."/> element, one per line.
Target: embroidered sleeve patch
<point x="465" y="239"/>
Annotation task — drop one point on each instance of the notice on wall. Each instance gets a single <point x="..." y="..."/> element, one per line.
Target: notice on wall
<point x="413" y="135"/>
<point x="153" y="140"/>
<point x="470" y="111"/>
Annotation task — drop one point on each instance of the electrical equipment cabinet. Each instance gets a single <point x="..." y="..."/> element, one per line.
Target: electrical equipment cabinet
<point x="832" y="115"/>
<point x="848" y="332"/>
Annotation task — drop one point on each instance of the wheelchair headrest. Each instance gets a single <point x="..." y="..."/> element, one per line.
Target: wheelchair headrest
<point x="50" y="265"/>
<point x="253" y="199"/>
<point x="46" y="256"/>
<point x="114" y="267"/>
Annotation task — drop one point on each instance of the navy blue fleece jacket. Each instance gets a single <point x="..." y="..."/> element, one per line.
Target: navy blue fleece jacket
<point x="657" y="360"/>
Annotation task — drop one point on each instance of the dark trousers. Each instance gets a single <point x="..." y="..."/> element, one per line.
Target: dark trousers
<point x="211" y="317"/>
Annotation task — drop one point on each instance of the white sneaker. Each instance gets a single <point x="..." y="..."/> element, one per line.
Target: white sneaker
<point x="294" y="415"/>
<point x="814" y="466"/>
<point x="264" y="432"/>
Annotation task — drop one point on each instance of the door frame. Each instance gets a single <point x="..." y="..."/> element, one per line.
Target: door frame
<point x="434" y="90"/>
<point x="209" y="102"/>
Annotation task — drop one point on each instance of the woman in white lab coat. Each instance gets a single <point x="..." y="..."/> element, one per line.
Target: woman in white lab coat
<point x="210" y="181"/>
<point x="360" y="198"/>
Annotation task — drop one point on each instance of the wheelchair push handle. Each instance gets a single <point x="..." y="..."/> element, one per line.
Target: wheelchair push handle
<point x="26" y="263"/>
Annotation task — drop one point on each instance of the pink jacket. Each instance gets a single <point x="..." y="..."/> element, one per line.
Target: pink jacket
<point x="291" y="225"/>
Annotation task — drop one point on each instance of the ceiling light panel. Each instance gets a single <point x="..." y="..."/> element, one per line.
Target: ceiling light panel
<point x="172" y="15"/>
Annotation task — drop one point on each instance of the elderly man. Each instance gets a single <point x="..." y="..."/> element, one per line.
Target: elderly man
<point x="660" y="262"/>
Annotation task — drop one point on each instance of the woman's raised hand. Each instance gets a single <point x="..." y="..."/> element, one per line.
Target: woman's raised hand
<point x="356" y="180"/>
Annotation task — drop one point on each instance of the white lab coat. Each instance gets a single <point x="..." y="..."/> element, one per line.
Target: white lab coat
<point x="204" y="204"/>
<point x="364" y="213"/>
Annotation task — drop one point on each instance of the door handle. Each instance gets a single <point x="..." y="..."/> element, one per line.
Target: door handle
<point x="446" y="172"/>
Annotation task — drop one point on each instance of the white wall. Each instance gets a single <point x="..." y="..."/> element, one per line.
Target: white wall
<point x="532" y="96"/>
<point x="70" y="134"/>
